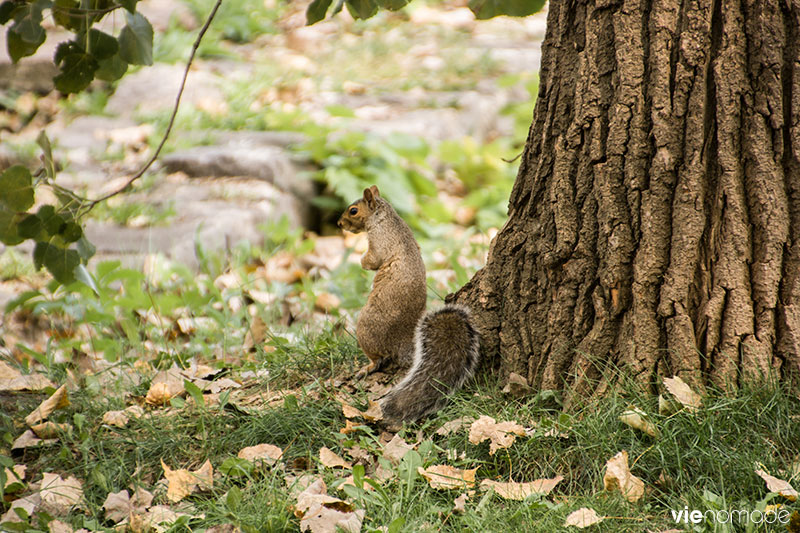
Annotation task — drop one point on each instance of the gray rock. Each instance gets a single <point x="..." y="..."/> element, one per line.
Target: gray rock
<point x="268" y="163"/>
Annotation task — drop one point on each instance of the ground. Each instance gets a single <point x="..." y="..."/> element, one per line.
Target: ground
<point x="225" y="303"/>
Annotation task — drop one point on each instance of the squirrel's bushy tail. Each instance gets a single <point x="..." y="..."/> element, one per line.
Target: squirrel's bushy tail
<point x="445" y="356"/>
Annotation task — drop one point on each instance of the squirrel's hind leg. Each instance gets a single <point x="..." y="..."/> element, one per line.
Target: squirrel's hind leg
<point x="375" y="364"/>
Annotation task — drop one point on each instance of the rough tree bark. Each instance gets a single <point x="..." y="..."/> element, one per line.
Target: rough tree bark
<point x="654" y="227"/>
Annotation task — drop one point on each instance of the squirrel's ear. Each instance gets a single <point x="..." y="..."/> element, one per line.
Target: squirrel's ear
<point x="375" y="191"/>
<point x="368" y="196"/>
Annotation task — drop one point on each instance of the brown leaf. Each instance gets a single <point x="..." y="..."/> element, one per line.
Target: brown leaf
<point x="683" y="393"/>
<point x="57" y="400"/>
<point x="60" y="495"/>
<point x="500" y="435"/>
<point x="119" y="506"/>
<point x="517" y="386"/>
<point x="330" y="459"/>
<point x="637" y="419"/>
<point x="12" y="380"/>
<point x="395" y="449"/>
<point x="182" y="482"/>
<point x="256" y="334"/>
<point x="327" y="302"/>
<point x="519" y="491"/>
<point x="27" y="440"/>
<point x="454" y="425"/>
<point x="29" y="504"/>
<point x="460" y="503"/>
<point x="165" y="385"/>
<point x="261" y="453"/>
<point x="121" y="418"/>
<point x="448" y="477"/>
<point x="618" y="477"/>
<point x="158" y="518"/>
<point x="14" y="478"/>
<point x="583" y="517"/>
<point x="50" y="430"/>
<point x="321" y="513"/>
<point x="784" y="488"/>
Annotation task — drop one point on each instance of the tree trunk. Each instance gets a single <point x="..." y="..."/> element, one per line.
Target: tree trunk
<point x="654" y="226"/>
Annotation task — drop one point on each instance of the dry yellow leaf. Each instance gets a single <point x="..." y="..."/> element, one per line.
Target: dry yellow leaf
<point x="50" y="430"/>
<point x="519" y="491"/>
<point x="182" y="482"/>
<point x="583" y="517"/>
<point x="158" y="518"/>
<point x="448" y="477"/>
<point x="637" y="419"/>
<point x="330" y="459"/>
<point x="57" y="400"/>
<point x="619" y="477"/>
<point x="349" y="427"/>
<point x="26" y="440"/>
<point x="327" y="302"/>
<point x="121" y="418"/>
<point x="454" y="425"/>
<point x="349" y="411"/>
<point x="60" y="495"/>
<point x="165" y="385"/>
<point x="500" y="434"/>
<point x="321" y="513"/>
<point x="395" y="449"/>
<point x="57" y="526"/>
<point x="373" y="412"/>
<point x="261" y="453"/>
<point x="350" y="480"/>
<point x="29" y="504"/>
<point x="683" y="393"/>
<point x="784" y="488"/>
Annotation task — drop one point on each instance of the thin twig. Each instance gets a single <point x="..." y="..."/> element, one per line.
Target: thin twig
<point x="171" y="118"/>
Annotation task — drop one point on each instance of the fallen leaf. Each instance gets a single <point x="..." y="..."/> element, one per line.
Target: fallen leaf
<point x="327" y="302"/>
<point x="517" y="386"/>
<point x="256" y="334"/>
<point x="500" y="435"/>
<point x="351" y="480"/>
<point x="583" y="517"/>
<point x="116" y="418"/>
<point x="667" y="407"/>
<point x="328" y="458"/>
<point x="519" y="491"/>
<point x="14" y="478"/>
<point x="448" y="477"/>
<point x="57" y="400"/>
<point x="29" y="504"/>
<point x="454" y="425"/>
<point x="321" y="513"/>
<point x="60" y="495"/>
<point x="27" y="440"/>
<point x="165" y="385"/>
<point x="182" y="482"/>
<point x="158" y="518"/>
<point x="217" y="386"/>
<point x="784" y="488"/>
<point x="683" y="393"/>
<point x="12" y="380"/>
<point x="618" y="477"/>
<point x="297" y="484"/>
<point x="57" y="526"/>
<point x="395" y="449"/>
<point x="50" y="430"/>
<point x="349" y="427"/>
<point x="637" y="419"/>
<point x="117" y="506"/>
<point x="261" y="453"/>
<point x="460" y="503"/>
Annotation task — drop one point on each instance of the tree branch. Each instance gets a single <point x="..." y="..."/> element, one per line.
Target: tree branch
<point x="152" y="160"/>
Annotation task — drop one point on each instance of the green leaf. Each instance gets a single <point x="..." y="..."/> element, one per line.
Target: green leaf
<point x="18" y="48"/>
<point x="52" y="221"/>
<point x="30" y="227"/>
<point x="77" y="72"/>
<point x="8" y="227"/>
<point x="486" y="9"/>
<point x="130" y="5"/>
<point x="195" y="392"/>
<point x="16" y="188"/>
<point x="83" y="275"/>
<point x="111" y="69"/>
<point x="316" y="11"/>
<point x="234" y="498"/>
<point x="101" y="45"/>
<point x="362" y="9"/>
<point x="136" y="40"/>
<point x="8" y="9"/>
<point x="28" y="22"/>
<point x="47" y="152"/>
<point x="61" y="262"/>
<point x="394" y="5"/>
<point x="71" y="232"/>
<point x="65" y="13"/>
<point x="85" y="249"/>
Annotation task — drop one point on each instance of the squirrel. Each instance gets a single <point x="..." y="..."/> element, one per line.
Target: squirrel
<point x="441" y="347"/>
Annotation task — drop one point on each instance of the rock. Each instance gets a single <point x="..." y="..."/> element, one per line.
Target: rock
<point x="154" y="88"/>
<point x="267" y="163"/>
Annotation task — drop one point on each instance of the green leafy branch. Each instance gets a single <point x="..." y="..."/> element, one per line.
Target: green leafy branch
<point x="60" y="244"/>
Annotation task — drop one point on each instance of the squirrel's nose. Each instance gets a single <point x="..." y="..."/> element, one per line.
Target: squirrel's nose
<point x="339" y="222"/>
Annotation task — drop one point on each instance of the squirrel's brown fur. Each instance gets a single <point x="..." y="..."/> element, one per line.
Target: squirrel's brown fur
<point x="441" y="346"/>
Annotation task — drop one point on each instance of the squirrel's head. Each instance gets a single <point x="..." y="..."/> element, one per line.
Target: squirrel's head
<point x="356" y="215"/>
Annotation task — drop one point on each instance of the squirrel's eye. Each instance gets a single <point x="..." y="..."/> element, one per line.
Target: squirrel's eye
<point x="353" y="210"/>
